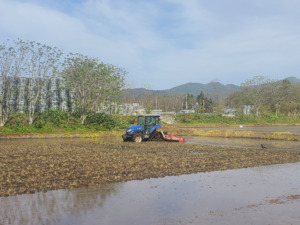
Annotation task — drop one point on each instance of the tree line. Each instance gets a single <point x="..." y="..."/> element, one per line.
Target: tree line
<point x="259" y="93"/>
<point x="201" y="103"/>
<point x="94" y="85"/>
<point x="91" y="82"/>
<point x="267" y="96"/>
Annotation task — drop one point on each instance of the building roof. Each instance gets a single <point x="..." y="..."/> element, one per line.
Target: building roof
<point x="150" y="115"/>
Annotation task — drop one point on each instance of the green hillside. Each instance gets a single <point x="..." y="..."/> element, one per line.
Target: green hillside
<point x="212" y="89"/>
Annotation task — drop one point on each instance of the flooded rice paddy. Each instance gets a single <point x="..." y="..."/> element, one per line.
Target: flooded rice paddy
<point x="244" y="142"/>
<point x="28" y="166"/>
<point x="288" y="133"/>
<point x="262" y="129"/>
<point x="258" y="195"/>
<point x="249" y="142"/>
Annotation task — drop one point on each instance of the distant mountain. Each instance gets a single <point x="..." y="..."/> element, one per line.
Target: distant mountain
<point x="212" y="89"/>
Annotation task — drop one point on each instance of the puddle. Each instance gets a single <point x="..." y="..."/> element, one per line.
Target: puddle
<point x="248" y="142"/>
<point x="260" y="195"/>
<point x="243" y="142"/>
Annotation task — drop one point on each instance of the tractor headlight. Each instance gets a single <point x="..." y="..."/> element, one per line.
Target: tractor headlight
<point x="129" y="130"/>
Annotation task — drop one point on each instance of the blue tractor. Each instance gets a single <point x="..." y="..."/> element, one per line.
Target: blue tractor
<point x="145" y="130"/>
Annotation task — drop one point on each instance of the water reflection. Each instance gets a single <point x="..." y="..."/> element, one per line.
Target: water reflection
<point x="52" y="207"/>
<point x="261" y="195"/>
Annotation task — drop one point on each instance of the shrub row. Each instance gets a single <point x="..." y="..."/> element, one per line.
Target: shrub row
<point x="58" y="120"/>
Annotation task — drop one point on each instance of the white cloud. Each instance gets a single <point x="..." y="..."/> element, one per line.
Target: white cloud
<point x="169" y="42"/>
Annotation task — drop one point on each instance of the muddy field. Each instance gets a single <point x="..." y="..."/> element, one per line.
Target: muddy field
<point x="28" y="166"/>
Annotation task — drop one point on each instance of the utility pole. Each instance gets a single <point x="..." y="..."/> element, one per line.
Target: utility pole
<point x="186" y="103"/>
<point x="156" y="102"/>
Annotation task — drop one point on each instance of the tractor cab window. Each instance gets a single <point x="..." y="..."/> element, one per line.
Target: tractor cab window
<point x="141" y="120"/>
<point x="157" y="120"/>
<point x="150" y="121"/>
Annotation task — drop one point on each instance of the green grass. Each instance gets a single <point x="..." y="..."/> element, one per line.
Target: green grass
<point x="57" y="121"/>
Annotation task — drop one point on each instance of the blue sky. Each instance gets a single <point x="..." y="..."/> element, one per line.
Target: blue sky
<point x="165" y="43"/>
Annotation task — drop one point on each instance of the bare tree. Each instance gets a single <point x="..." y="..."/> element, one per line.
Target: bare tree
<point x="93" y="83"/>
<point x="291" y="104"/>
<point x="165" y="103"/>
<point x="278" y="92"/>
<point x="11" y="58"/>
<point x="254" y="90"/>
<point x="41" y="62"/>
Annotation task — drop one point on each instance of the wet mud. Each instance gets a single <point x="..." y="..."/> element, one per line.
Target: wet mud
<point x="29" y="166"/>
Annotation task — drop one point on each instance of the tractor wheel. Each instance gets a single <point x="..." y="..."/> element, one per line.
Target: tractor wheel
<point x="137" y="137"/>
<point x="157" y="137"/>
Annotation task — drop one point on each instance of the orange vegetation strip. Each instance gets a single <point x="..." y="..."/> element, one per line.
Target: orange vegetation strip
<point x="238" y="134"/>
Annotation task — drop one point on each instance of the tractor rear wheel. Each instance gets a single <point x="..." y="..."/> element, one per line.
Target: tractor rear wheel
<point x="157" y="136"/>
<point x="137" y="137"/>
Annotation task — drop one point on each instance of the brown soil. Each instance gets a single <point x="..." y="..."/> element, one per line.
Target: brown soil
<point x="27" y="166"/>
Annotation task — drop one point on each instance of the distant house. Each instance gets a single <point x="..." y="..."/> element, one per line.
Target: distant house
<point x="229" y="112"/>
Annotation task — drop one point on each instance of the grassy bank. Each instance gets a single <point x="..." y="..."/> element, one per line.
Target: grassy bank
<point x="60" y="124"/>
<point x="285" y="136"/>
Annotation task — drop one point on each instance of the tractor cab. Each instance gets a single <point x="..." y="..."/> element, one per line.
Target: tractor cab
<point x="148" y="121"/>
<point x="147" y="130"/>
